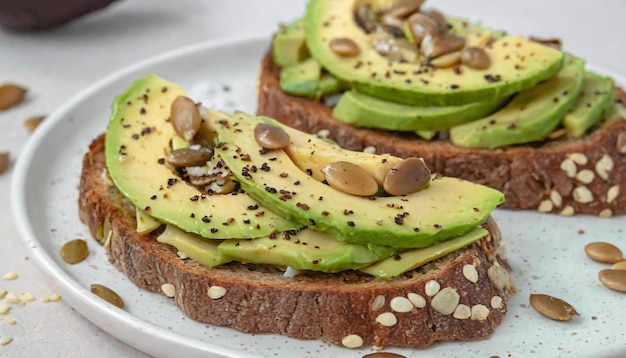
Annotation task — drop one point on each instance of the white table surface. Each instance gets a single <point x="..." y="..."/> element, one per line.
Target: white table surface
<point x="55" y="65"/>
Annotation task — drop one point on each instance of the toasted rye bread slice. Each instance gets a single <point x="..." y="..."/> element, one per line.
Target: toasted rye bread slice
<point x="328" y="307"/>
<point x="584" y="176"/>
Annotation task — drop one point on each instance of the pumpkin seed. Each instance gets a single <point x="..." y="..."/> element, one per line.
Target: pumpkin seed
<point x="604" y="252"/>
<point x="270" y="137"/>
<point x="33" y="122"/>
<point x="439" y="18"/>
<point x="107" y="294"/>
<point x="187" y="157"/>
<point x="11" y="95"/>
<point x="365" y="17"/>
<point x="404" y="8"/>
<point x="185" y="117"/>
<point x="613" y="279"/>
<point x="409" y="176"/>
<point x="435" y="46"/>
<point x="74" y="251"/>
<point x="421" y="25"/>
<point x="476" y="58"/>
<point x="555" y="43"/>
<point x="552" y="307"/>
<point x="344" y="47"/>
<point x="350" y="178"/>
<point x="619" y="265"/>
<point x="4" y="161"/>
<point x="447" y="60"/>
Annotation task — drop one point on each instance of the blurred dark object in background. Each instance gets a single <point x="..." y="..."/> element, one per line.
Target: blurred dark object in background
<point x="39" y="15"/>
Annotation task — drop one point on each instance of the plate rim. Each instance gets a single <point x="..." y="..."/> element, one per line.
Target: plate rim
<point x="64" y="281"/>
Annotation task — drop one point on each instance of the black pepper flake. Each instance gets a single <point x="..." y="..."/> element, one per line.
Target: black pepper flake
<point x="397" y="257"/>
<point x="283" y="175"/>
<point x="271" y="190"/>
<point x="454" y="86"/>
<point x="437" y="226"/>
<point x="263" y="151"/>
<point x="164" y="89"/>
<point x="302" y="206"/>
<point x="311" y="222"/>
<point x="228" y="221"/>
<point x="224" y="123"/>
<point x="315" y="262"/>
<point x="309" y="171"/>
<point x="351" y="223"/>
<point x="192" y="215"/>
<point x="265" y="167"/>
<point x="194" y="198"/>
<point x="171" y="181"/>
<point x="142" y="111"/>
<point x="245" y="157"/>
<point x="135" y="136"/>
<point x="253" y="207"/>
<point x="161" y="160"/>
<point x="416" y="229"/>
<point x="246" y="221"/>
<point x="147" y="208"/>
<point x="206" y="219"/>
<point x="511" y="126"/>
<point x="348" y="212"/>
<point x="153" y="197"/>
<point x="259" y="214"/>
<point x="492" y="78"/>
<point x="297" y="182"/>
<point x="214" y="230"/>
<point x="325" y="213"/>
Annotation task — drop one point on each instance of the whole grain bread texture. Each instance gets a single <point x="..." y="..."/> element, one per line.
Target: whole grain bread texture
<point x="334" y="308"/>
<point x="567" y="177"/>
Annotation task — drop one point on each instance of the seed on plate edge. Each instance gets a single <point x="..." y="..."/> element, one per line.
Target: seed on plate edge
<point x="107" y="294"/>
<point x="552" y="307"/>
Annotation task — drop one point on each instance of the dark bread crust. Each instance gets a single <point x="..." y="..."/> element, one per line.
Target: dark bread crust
<point x="309" y="306"/>
<point x="528" y="175"/>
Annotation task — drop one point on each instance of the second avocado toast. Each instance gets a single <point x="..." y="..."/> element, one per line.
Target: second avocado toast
<point x="513" y="113"/>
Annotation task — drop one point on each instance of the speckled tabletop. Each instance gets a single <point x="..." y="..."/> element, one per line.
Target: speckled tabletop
<point x="57" y="64"/>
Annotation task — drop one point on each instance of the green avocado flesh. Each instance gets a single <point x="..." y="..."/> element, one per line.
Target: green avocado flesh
<point x="288" y="46"/>
<point x="530" y="116"/>
<point x="511" y="69"/>
<point x="447" y="208"/>
<point x="138" y="133"/>
<point x="594" y="104"/>
<point x="366" y="111"/>
<point x="391" y="83"/>
<point x="310" y="226"/>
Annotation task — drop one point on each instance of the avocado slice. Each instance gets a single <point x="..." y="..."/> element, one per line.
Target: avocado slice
<point x="304" y="250"/>
<point x="306" y="79"/>
<point x="137" y="136"/>
<point x="366" y="111"/>
<point x="412" y="259"/>
<point x="202" y="250"/>
<point x="516" y="64"/>
<point x="288" y="45"/>
<point x="594" y="104"/>
<point x="449" y="207"/>
<point x="530" y="116"/>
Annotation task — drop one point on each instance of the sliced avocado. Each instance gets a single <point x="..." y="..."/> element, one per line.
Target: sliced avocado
<point x="593" y="105"/>
<point x="412" y="259"/>
<point x="306" y="79"/>
<point x="530" y="116"/>
<point x="426" y="135"/>
<point x="362" y="110"/>
<point x="448" y="208"/>
<point x="137" y="136"/>
<point x="516" y="64"/>
<point x="145" y="223"/>
<point x="288" y="45"/>
<point x="202" y="250"/>
<point x="304" y="250"/>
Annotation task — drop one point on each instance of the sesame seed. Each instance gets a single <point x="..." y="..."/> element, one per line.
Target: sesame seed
<point x="168" y="289"/>
<point x="387" y="319"/>
<point x="216" y="292"/>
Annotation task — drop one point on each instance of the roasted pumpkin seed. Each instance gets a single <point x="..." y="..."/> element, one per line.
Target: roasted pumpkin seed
<point x="435" y="46"/>
<point x="421" y="25"/>
<point x="33" y="122"/>
<point x="185" y="117"/>
<point x="613" y="279"/>
<point x="404" y="8"/>
<point x="619" y="265"/>
<point x="476" y="58"/>
<point x="350" y="178"/>
<point x="107" y="294"/>
<point x="4" y="161"/>
<point x="409" y="176"/>
<point x="344" y="47"/>
<point x="187" y="157"/>
<point x="74" y="251"/>
<point x="552" y="307"/>
<point x="11" y="95"/>
<point x="270" y="137"/>
<point x="604" y="252"/>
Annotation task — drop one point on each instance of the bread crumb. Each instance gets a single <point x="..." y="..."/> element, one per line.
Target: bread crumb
<point x="26" y="297"/>
<point x="55" y="297"/>
<point x="9" y="320"/>
<point x="3" y="293"/>
<point x="4" y="308"/>
<point x="33" y="122"/>
<point x="45" y="298"/>
<point x="9" y="276"/>
<point x="5" y="340"/>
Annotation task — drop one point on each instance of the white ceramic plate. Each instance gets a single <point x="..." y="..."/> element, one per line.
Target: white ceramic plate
<point x="546" y="251"/>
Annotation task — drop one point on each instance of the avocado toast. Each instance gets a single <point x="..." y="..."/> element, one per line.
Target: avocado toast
<point x="512" y="113"/>
<point x="258" y="228"/>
